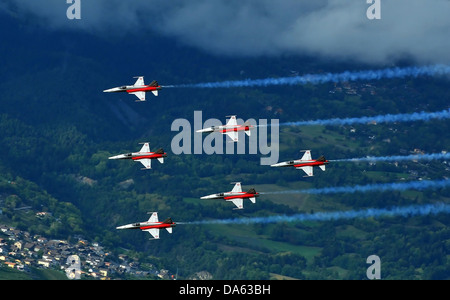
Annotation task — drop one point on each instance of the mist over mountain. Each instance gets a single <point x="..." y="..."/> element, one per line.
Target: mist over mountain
<point x="333" y="29"/>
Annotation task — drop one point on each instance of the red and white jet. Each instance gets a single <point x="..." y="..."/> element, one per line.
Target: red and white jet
<point x="305" y="163"/>
<point x="236" y="196"/>
<point x="139" y="88"/>
<point x="152" y="226"/>
<point x="231" y="128"/>
<point x="144" y="156"/>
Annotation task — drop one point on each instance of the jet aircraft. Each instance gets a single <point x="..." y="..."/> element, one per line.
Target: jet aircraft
<point x="139" y="88"/>
<point x="152" y="226"/>
<point x="236" y="196"/>
<point x="144" y="156"/>
<point x="231" y="128"/>
<point x="305" y="163"/>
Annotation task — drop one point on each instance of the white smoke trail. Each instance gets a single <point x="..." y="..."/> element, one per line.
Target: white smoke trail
<point x="376" y="187"/>
<point x="400" y="211"/>
<point x="433" y="70"/>
<point x="389" y="118"/>
<point x="433" y="156"/>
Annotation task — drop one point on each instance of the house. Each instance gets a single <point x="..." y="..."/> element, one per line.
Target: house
<point x="18" y="245"/>
<point x="163" y="274"/>
<point x="41" y="239"/>
<point x="4" y="228"/>
<point x="28" y="261"/>
<point x="103" y="272"/>
<point x="44" y="263"/>
<point x="28" y="246"/>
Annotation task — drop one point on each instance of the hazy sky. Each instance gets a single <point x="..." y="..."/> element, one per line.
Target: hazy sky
<point x="336" y="29"/>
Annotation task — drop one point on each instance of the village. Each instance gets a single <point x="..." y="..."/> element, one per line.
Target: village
<point x="81" y="260"/>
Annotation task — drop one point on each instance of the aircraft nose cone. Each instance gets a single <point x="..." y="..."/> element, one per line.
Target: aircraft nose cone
<point x="117" y="156"/>
<point x="206" y="130"/>
<point x="111" y="90"/>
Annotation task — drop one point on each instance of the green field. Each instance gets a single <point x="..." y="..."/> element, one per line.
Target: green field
<point x="7" y="273"/>
<point x="248" y="240"/>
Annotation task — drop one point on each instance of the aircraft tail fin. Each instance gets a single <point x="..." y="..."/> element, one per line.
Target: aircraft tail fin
<point x="321" y="158"/>
<point x="153" y="83"/>
<point x="161" y="159"/>
<point x="253" y="199"/>
<point x="169" y="229"/>
<point x="155" y="92"/>
<point x="160" y="151"/>
<point x="168" y="221"/>
<point x="251" y="191"/>
<point x="322" y="167"/>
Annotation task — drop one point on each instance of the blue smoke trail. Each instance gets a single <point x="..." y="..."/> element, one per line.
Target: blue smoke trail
<point x="376" y="187"/>
<point x="396" y="72"/>
<point x="401" y="211"/>
<point x="389" y="118"/>
<point x="432" y="156"/>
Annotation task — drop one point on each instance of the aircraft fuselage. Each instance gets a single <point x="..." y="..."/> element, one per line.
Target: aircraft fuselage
<point x="147" y="225"/>
<point x="230" y="195"/>
<point x="313" y="163"/>
<point x="225" y="129"/>
<point x="139" y="155"/>
<point x="237" y="128"/>
<point x="301" y="163"/>
<point x="133" y="89"/>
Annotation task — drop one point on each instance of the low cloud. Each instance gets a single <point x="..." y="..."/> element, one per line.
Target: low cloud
<point x="332" y="29"/>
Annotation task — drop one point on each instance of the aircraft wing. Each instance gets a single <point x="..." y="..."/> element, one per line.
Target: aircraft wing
<point x="153" y="217"/>
<point x="154" y="232"/>
<point x="145" y="148"/>
<point x="237" y="188"/>
<point x="308" y="170"/>
<point x="238" y="202"/>
<point x="139" y="81"/>
<point x="140" y="95"/>
<point x="146" y="162"/>
<point x="232" y="121"/>
<point x="233" y="135"/>
<point x="307" y="155"/>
